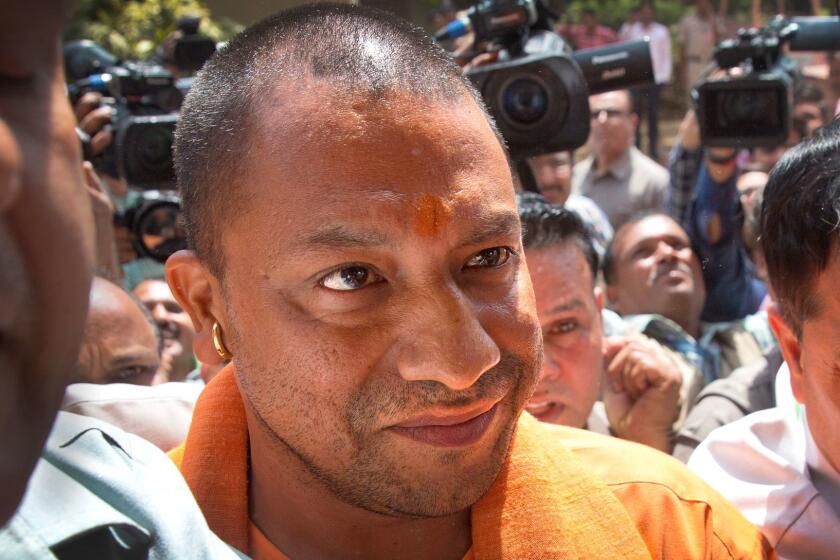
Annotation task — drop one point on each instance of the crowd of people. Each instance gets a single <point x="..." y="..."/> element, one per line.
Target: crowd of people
<point x="378" y="345"/>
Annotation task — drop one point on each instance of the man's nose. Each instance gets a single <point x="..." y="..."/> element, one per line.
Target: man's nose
<point x="159" y="313"/>
<point x="665" y="252"/>
<point x="446" y="342"/>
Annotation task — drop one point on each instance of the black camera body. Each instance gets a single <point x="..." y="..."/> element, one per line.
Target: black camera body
<point x="753" y="109"/>
<point x="145" y="99"/>
<point x="538" y="90"/>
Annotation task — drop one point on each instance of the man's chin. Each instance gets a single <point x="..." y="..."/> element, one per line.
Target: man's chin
<point x="436" y="481"/>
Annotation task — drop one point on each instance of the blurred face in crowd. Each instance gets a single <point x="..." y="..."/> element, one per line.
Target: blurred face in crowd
<point x="569" y="309"/>
<point x="120" y="344"/>
<point x="386" y="334"/>
<point x="750" y="185"/>
<point x="810" y="113"/>
<point x="655" y="270"/>
<point x="814" y="362"/>
<point x="588" y="20"/>
<point x="174" y="324"/>
<point x="613" y="124"/>
<point x="46" y="239"/>
<point x="553" y="174"/>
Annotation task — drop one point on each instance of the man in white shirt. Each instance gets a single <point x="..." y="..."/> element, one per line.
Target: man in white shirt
<point x="660" y="52"/>
<point x="781" y="467"/>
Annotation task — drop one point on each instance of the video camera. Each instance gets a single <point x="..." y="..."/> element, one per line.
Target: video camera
<point x="145" y="99"/>
<point x="538" y="89"/>
<point x="753" y="109"/>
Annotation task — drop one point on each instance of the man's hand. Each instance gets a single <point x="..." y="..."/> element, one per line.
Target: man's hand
<point x="103" y="217"/>
<point x="94" y="119"/>
<point x="689" y="131"/>
<point x="641" y="391"/>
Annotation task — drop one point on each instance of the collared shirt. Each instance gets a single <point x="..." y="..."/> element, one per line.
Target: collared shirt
<point x="632" y="183"/>
<point x="769" y="467"/>
<point x="660" y="48"/>
<point x="683" y="169"/>
<point x="721" y="348"/>
<point x="698" y="37"/>
<point x="98" y="492"/>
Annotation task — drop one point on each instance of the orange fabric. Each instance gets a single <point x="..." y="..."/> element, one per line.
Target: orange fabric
<point x="563" y="493"/>
<point x="214" y="459"/>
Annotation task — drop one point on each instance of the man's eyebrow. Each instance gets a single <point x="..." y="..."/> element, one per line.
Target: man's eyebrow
<point x="343" y="237"/>
<point x="576" y="303"/>
<point x="494" y="226"/>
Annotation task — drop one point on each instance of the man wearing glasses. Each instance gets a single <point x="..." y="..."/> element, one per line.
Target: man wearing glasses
<point x="616" y="175"/>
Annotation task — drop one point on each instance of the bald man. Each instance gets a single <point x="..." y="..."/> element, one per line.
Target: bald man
<point x="356" y="252"/>
<point x="122" y="343"/>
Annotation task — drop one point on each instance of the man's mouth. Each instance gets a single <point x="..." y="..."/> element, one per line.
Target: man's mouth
<point x="449" y="430"/>
<point x="543" y="410"/>
<point x="674" y="273"/>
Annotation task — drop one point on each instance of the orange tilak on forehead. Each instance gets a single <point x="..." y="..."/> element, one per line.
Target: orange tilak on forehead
<point x="431" y="214"/>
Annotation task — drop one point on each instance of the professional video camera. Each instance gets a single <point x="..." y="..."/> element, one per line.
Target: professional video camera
<point x="752" y="107"/>
<point x="145" y="100"/>
<point x="538" y="89"/>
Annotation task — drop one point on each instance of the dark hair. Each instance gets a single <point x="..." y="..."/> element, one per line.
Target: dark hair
<point x="317" y="42"/>
<point x="800" y="221"/>
<point x="609" y="255"/>
<point x="809" y="93"/>
<point x="545" y="224"/>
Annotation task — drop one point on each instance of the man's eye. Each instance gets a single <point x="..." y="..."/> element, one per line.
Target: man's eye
<point x="490" y="258"/>
<point x="130" y="374"/>
<point x="562" y="327"/>
<point x="350" y="278"/>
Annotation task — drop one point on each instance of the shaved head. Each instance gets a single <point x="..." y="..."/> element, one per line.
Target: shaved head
<point x="280" y="64"/>
<point x="122" y="342"/>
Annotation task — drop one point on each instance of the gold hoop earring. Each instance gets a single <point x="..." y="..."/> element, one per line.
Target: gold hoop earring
<point x="219" y="344"/>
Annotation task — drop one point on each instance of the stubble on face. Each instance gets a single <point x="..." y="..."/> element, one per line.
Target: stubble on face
<point x="374" y="476"/>
<point x="329" y="388"/>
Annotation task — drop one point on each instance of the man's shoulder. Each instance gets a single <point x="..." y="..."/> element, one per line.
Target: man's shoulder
<point x="759" y="464"/>
<point x="762" y="448"/>
<point x="676" y="512"/>
<point x="95" y="481"/>
<point x="645" y="168"/>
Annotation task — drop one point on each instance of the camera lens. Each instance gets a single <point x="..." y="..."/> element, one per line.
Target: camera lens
<point x="159" y="230"/>
<point x="525" y="101"/>
<point x="156" y="147"/>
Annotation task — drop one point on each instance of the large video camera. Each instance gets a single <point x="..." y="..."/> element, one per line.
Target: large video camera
<point x="752" y="106"/>
<point x="145" y="100"/>
<point x="538" y="89"/>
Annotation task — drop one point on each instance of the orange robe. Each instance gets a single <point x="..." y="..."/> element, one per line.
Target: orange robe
<point x="562" y="493"/>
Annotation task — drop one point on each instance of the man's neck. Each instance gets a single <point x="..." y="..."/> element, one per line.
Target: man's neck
<point x="689" y="321"/>
<point x="605" y="160"/>
<point x="305" y="520"/>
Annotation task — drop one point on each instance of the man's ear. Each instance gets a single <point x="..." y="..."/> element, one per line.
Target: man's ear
<point x="599" y="298"/>
<point x="192" y="285"/>
<point x="790" y="347"/>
